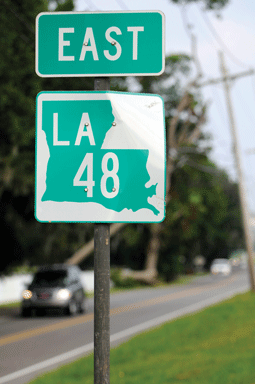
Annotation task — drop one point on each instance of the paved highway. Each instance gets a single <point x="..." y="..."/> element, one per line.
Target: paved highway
<point x="29" y="347"/>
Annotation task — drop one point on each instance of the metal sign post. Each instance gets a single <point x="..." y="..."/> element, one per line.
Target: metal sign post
<point x="85" y="131"/>
<point x="102" y="288"/>
<point x="102" y="304"/>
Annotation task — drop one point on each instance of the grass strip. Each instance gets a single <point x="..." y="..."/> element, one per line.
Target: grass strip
<point x="213" y="346"/>
<point x="12" y="304"/>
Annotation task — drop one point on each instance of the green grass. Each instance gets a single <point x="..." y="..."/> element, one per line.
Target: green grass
<point x="214" y="346"/>
<point x="13" y="304"/>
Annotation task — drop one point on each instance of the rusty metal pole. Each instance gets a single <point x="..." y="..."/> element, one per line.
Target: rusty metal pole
<point x="102" y="288"/>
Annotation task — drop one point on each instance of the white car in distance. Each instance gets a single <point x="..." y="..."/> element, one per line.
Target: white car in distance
<point x="221" y="267"/>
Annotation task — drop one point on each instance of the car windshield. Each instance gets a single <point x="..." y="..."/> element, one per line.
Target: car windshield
<point x="220" y="261"/>
<point x="50" y="278"/>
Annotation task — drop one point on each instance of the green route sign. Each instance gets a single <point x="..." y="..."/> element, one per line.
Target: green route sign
<point x="75" y="44"/>
<point x="100" y="157"/>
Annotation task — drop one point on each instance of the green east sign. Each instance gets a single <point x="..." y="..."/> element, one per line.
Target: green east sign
<point x="75" y="44"/>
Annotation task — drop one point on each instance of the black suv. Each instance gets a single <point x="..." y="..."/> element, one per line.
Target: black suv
<point x="56" y="286"/>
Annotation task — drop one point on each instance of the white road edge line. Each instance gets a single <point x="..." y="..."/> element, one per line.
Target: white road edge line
<point x="120" y="335"/>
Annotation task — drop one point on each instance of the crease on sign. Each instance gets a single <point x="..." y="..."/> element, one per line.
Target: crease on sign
<point x="43" y="155"/>
<point x="136" y="124"/>
<point x="139" y="125"/>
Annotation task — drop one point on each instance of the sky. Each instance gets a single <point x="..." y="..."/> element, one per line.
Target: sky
<point x="231" y="30"/>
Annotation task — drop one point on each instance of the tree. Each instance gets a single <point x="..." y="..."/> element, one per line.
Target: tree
<point x="184" y="116"/>
<point x="177" y="67"/>
<point x="203" y="215"/>
<point x="18" y="87"/>
<point x="203" y="218"/>
<point x="179" y="133"/>
<point x="22" y="235"/>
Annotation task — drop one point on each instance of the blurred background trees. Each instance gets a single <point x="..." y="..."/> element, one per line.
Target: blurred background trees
<point x="203" y="214"/>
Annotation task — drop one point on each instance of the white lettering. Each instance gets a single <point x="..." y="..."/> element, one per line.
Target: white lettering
<point x="62" y="43"/>
<point x="89" y="183"/>
<point x="89" y="37"/>
<point x="110" y="174"/>
<point x="85" y="121"/>
<point x="55" y="132"/>
<point x="87" y="163"/>
<point x="135" y="31"/>
<point x="114" y="43"/>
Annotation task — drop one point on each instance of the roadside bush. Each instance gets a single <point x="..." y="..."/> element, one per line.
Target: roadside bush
<point x="121" y="281"/>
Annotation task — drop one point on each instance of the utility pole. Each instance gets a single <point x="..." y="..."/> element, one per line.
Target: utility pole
<point x="241" y="187"/>
<point x="225" y="78"/>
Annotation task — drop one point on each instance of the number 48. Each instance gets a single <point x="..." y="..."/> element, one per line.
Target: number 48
<point x="90" y="183"/>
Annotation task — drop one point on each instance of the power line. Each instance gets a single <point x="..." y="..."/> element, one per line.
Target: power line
<point x="203" y="168"/>
<point x="218" y="104"/>
<point x="224" y="78"/>
<point x="250" y="151"/>
<point x="187" y="25"/>
<point x="194" y="54"/>
<point x="122" y="5"/>
<point x="253" y="84"/>
<point x="231" y="78"/>
<point x="90" y="4"/>
<point x="219" y="40"/>
<point x="245" y="106"/>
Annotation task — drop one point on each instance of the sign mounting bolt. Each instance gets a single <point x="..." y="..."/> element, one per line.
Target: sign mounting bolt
<point x="113" y="42"/>
<point x="86" y="124"/>
<point x="113" y="189"/>
<point x="86" y="189"/>
<point x="114" y="124"/>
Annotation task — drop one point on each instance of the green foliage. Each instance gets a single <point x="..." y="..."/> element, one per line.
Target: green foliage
<point x="129" y="247"/>
<point x="203" y="218"/>
<point x="18" y="88"/>
<point x="65" y="6"/>
<point x="25" y="238"/>
<point x="203" y="214"/>
<point x="22" y="235"/>
<point x="36" y="243"/>
<point x="61" y="5"/>
<point x="177" y="68"/>
<point x="170" y="266"/>
<point x="121" y="281"/>
<point x="24" y="269"/>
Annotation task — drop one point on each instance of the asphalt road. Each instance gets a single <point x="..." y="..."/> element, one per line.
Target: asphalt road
<point x="29" y="347"/>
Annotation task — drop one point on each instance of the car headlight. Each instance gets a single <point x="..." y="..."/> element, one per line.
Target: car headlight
<point x="27" y="294"/>
<point x="63" y="294"/>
